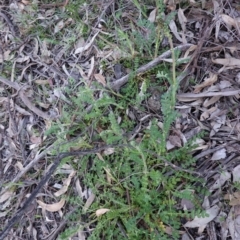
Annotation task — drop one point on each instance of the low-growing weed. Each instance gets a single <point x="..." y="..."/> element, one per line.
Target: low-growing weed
<point x="137" y="186"/>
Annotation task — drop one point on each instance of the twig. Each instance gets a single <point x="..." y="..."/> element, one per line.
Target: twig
<point x="120" y="82"/>
<point x="208" y="94"/>
<point x="46" y="177"/>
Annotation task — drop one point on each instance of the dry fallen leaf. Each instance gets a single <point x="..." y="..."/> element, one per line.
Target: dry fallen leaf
<point x="227" y="62"/>
<point x="25" y="2"/>
<point x="233" y="224"/>
<point x="174" y="29"/>
<point x="201" y="222"/>
<point x="236" y="174"/>
<point x="215" y="128"/>
<point x="152" y="15"/>
<point x="100" y="78"/>
<point x="87" y="46"/>
<point x="183" y="20"/>
<point x="66" y="184"/>
<point x="230" y="21"/>
<point x="186" y="97"/>
<point x="192" y="48"/>
<point x="169" y="145"/>
<point x="109" y="151"/>
<point x="22" y="59"/>
<point x="206" y="113"/>
<point x="207" y="82"/>
<point x="224" y="84"/>
<point x="81" y="233"/>
<point x="82" y="193"/>
<point x="36" y="140"/>
<point x="6" y="195"/>
<point x="187" y="204"/>
<point x="175" y="140"/>
<point x="221" y="181"/>
<point x="220" y="154"/>
<point x="41" y="82"/>
<point x="101" y="211"/>
<point x="234" y="202"/>
<point x="201" y="144"/>
<point x="208" y="102"/>
<point x="118" y="53"/>
<point x="233" y="198"/>
<point x="19" y="165"/>
<point x="58" y="93"/>
<point x="6" y="56"/>
<point x="89" y="202"/>
<point x="52" y="207"/>
<point x="59" y="26"/>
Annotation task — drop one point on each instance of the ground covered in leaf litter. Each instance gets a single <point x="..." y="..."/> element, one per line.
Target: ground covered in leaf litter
<point x="35" y="71"/>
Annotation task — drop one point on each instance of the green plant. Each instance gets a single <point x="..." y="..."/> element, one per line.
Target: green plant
<point x="137" y="184"/>
<point x="141" y="195"/>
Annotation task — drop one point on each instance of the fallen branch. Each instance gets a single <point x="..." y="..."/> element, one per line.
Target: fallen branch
<point x="120" y="82"/>
<point x="182" y="96"/>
